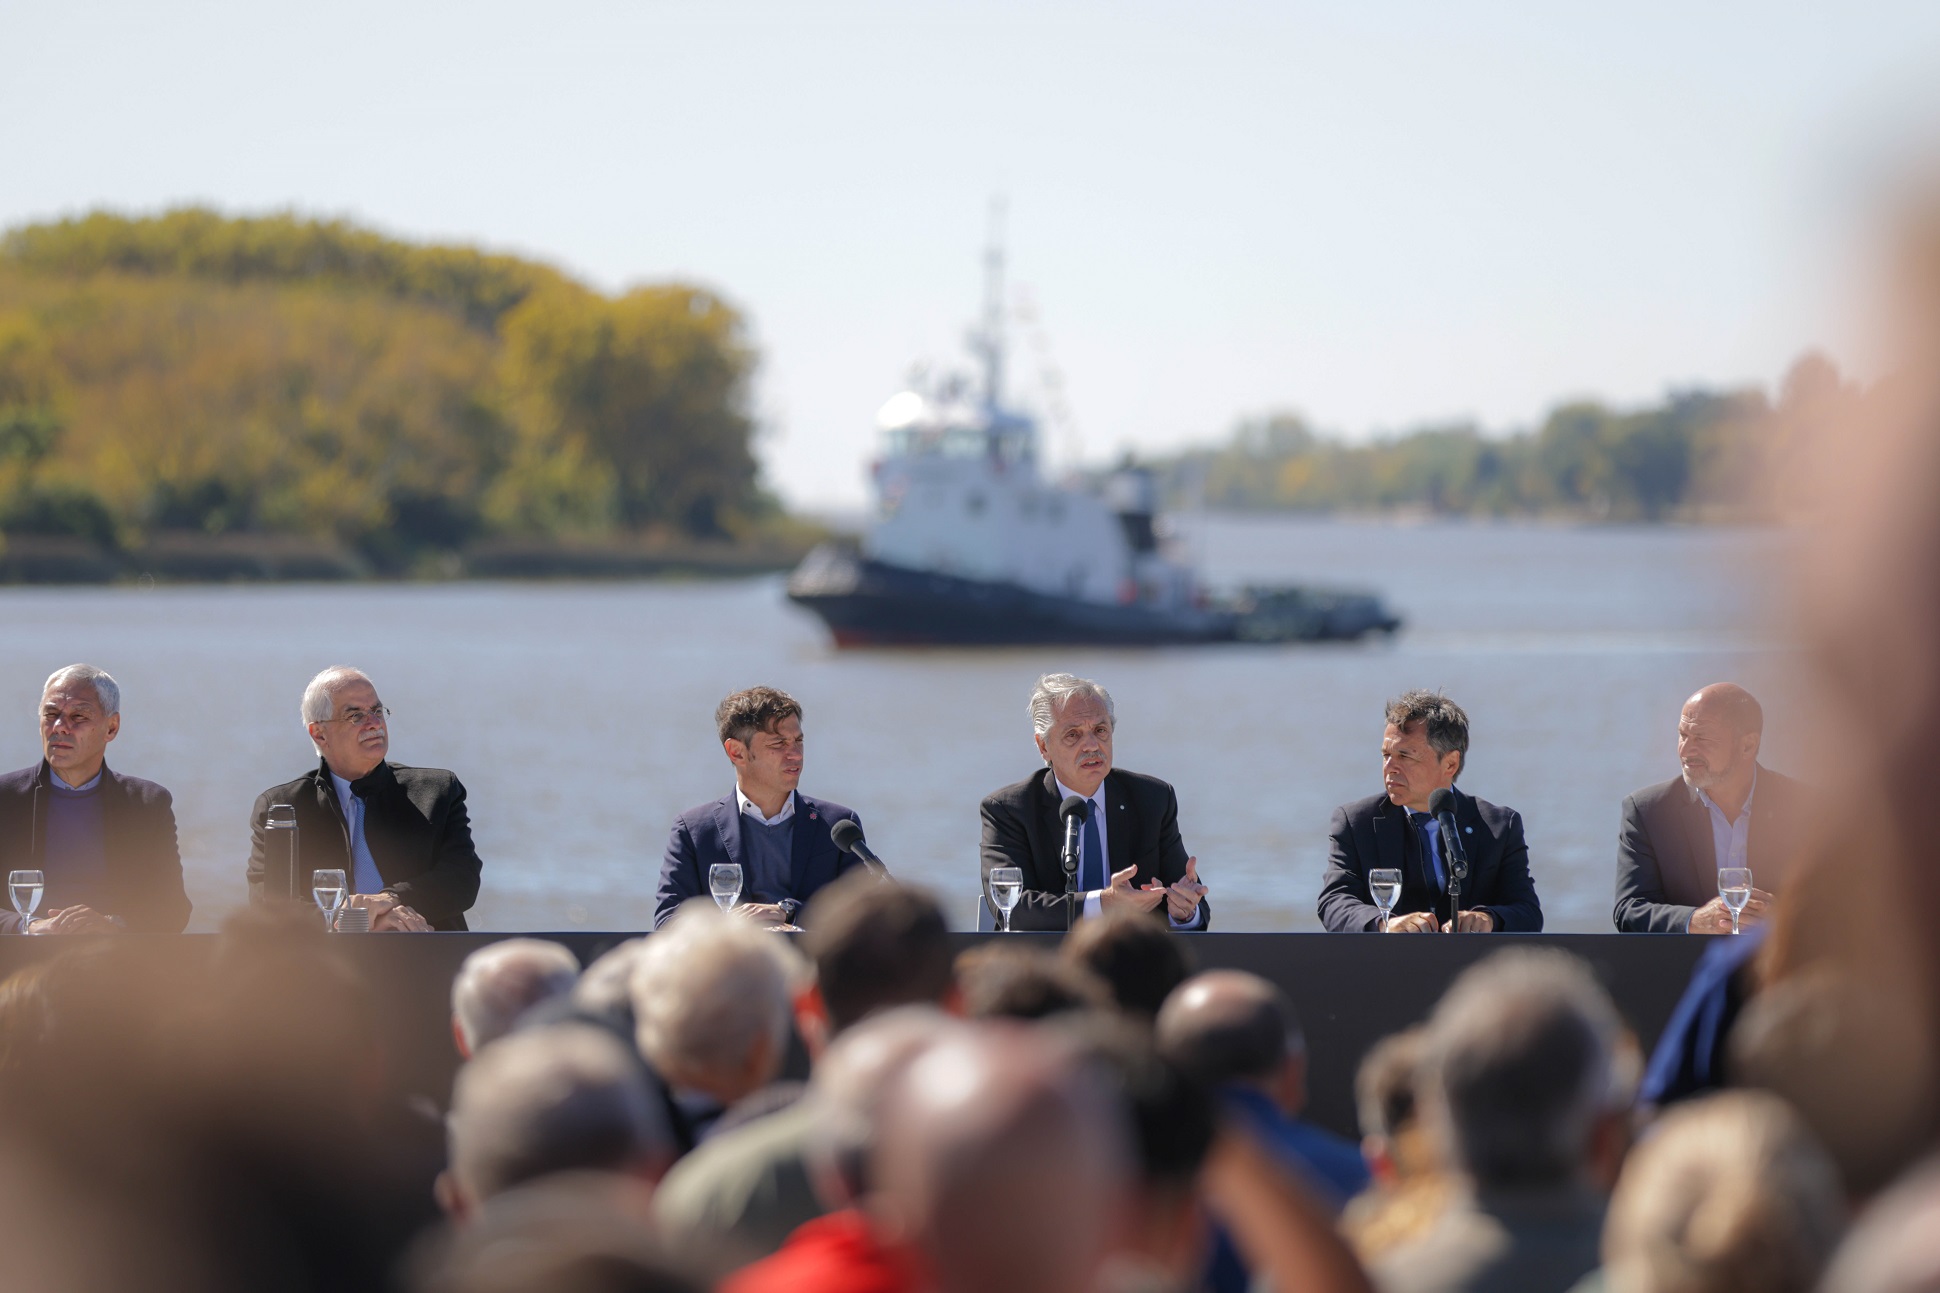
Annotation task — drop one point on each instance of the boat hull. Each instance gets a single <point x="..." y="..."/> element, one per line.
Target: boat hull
<point x="870" y="603"/>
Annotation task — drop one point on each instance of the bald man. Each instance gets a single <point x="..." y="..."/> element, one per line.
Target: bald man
<point x="1724" y="810"/>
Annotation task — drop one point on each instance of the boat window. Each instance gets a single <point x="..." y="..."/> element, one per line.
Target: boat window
<point x="959" y="442"/>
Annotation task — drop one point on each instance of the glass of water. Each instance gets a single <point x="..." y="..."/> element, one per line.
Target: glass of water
<point x="724" y="882"/>
<point x="1734" y="886"/>
<point x="1006" y="887"/>
<point x="328" y="887"/>
<point x="1384" y="883"/>
<point x="24" y="887"/>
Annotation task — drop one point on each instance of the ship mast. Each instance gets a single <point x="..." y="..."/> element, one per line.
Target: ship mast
<point x="989" y="342"/>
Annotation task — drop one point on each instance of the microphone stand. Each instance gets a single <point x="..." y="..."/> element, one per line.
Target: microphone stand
<point x="1457" y="863"/>
<point x="1073" y="823"/>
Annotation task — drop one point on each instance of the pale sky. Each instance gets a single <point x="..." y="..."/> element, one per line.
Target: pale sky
<point x="1376" y="213"/>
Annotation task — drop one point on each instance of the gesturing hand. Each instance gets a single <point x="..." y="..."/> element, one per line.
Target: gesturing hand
<point x="1182" y="897"/>
<point x="1122" y="895"/>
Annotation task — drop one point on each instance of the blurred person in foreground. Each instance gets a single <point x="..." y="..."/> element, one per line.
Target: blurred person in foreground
<point x="1137" y="958"/>
<point x="566" y="1097"/>
<point x="1131" y="856"/>
<point x="838" y="1249"/>
<point x="401" y="835"/>
<point x="779" y="837"/>
<point x="874" y="947"/>
<point x="1723" y="810"/>
<point x="1728" y="1193"/>
<point x="500" y="982"/>
<point x="1424" y="748"/>
<point x="1519" y="1086"/>
<point x="1407" y="1186"/>
<point x="711" y="1000"/>
<point x="1236" y="1033"/>
<point x="1895" y="1246"/>
<point x="104" y="842"/>
<point x="1002" y="980"/>
<point x="570" y="1232"/>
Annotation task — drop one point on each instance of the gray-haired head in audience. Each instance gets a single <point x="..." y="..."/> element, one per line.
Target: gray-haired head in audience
<point x="501" y="981"/>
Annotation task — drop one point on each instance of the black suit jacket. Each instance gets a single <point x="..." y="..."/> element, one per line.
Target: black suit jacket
<point x="712" y="833"/>
<point x="1376" y="832"/>
<point x="1021" y="829"/>
<point x="1667" y="866"/>
<point x="415" y="824"/>
<point x="144" y="879"/>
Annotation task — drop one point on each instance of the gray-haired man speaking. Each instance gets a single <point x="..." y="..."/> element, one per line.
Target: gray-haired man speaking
<point x="103" y="842"/>
<point x="1131" y="857"/>
<point x="401" y="835"/>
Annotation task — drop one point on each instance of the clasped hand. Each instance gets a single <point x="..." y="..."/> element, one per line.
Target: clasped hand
<point x="389" y="916"/>
<point x="1715" y="918"/>
<point x="1181" y="898"/>
<point x="1425" y="922"/>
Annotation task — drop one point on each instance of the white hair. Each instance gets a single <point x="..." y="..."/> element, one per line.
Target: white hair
<point x="1054" y="689"/>
<point x="501" y="981"/>
<point x="107" y="692"/>
<point x="320" y="697"/>
<point x="552" y="1099"/>
<point x="707" y="988"/>
<point x="606" y="986"/>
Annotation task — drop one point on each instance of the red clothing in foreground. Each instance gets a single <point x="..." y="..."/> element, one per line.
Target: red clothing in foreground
<point x="832" y="1254"/>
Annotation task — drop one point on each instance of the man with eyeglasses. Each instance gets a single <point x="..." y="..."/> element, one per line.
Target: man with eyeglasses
<point x="104" y="843"/>
<point x="401" y="835"/>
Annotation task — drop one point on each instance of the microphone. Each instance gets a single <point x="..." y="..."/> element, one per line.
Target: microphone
<point x="847" y="835"/>
<point x="1442" y="805"/>
<point x="1074" y="810"/>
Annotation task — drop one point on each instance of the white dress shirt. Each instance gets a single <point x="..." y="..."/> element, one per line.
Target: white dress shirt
<point x="749" y="807"/>
<point x="1094" y="899"/>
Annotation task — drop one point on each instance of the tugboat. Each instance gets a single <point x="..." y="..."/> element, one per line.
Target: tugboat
<point x="971" y="547"/>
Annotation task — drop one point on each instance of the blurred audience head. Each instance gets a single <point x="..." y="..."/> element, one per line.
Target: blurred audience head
<point x="561" y="1098"/>
<point x="999" y="981"/>
<point x="851" y="1079"/>
<point x="1728" y="1193"/>
<point x="23" y="1021"/>
<point x="711" y="1001"/>
<point x="1137" y="957"/>
<point x="1386" y="1106"/>
<point x="873" y="946"/>
<point x="567" y="1233"/>
<point x="1171" y="1119"/>
<point x="1849" y="1060"/>
<point x="501" y="981"/>
<point x="1895" y="1246"/>
<point x="605" y="989"/>
<point x="1228" y="1026"/>
<point x="1519" y="1074"/>
<point x="1003" y="1163"/>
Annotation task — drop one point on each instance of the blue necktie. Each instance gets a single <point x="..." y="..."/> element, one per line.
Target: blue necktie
<point x="1431" y="849"/>
<point x="364" y="877"/>
<point x="1091" y="871"/>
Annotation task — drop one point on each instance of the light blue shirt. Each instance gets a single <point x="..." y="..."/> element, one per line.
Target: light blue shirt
<point x="1731" y="841"/>
<point x="364" y="877"/>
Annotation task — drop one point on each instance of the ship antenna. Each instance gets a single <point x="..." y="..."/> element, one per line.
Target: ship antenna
<point x="991" y="343"/>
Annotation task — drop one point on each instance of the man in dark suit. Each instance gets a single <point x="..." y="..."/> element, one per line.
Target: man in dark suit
<point x="105" y="843"/>
<point x="401" y="835"/>
<point x="776" y="834"/>
<point x="1131" y="855"/>
<point x="1725" y="810"/>
<point x="1423" y="750"/>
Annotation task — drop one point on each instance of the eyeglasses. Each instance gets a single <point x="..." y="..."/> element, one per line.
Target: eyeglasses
<point x="359" y="717"/>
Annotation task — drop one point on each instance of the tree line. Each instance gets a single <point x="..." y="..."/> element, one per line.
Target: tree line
<point x="1696" y="455"/>
<point x="196" y="374"/>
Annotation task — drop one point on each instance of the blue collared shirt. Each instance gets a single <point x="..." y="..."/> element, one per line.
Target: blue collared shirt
<point x="1731" y="841"/>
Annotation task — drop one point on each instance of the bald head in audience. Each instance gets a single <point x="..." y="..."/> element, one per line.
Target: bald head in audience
<point x="1228" y="1026"/>
<point x="1003" y="1162"/>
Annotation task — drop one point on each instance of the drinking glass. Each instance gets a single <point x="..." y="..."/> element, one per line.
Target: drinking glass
<point x="1006" y="887"/>
<point x="24" y="888"/>
<point x="724" y="882"/>
<point x="1734" y="886"/>
<point x="1385" y="884"/>
<point x="330" y="890"/>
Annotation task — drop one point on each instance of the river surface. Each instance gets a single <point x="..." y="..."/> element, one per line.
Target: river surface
<point x="580" y="715"/>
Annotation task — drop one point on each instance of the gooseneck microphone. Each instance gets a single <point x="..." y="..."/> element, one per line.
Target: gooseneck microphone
<point x="1074" y="810"/>
<point x="847" y="835"/>
<point x="1454" y="856"/>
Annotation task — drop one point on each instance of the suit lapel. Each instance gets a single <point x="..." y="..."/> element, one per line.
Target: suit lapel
<point x="727" y="820"/>
<point x="799" y="839"/>
<point x="1391" y="841"/>
<point x="1700" y="854"/>
<point x="1119" y="828"/>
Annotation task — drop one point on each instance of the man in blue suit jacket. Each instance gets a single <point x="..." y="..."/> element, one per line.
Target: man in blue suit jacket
<point x="778" y="835"/>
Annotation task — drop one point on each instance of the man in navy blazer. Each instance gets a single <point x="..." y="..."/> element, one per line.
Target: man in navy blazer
<point x="778" y="835"/>
<point x="1423" y="750"/>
